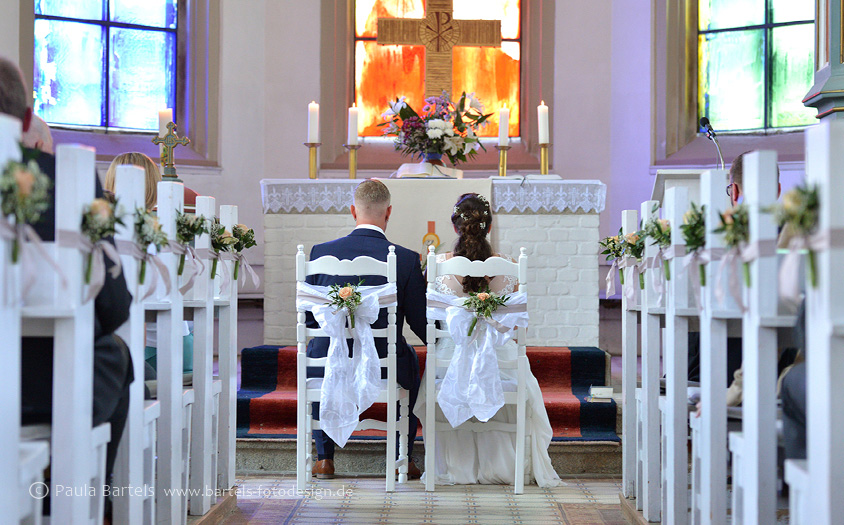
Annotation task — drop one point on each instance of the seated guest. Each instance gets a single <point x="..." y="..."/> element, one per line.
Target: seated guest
<point x="794" y="397"/>
<point x="464" y="456"/>
<point x="113" y="371"/>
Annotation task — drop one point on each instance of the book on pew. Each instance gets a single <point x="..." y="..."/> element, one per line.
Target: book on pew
<point x="599" y="394"/>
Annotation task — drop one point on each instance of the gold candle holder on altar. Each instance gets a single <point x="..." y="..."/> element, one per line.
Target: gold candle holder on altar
<point x="502" y="160"/>
<point x="543" y="159"/>
<point x="353" y="159"/>
<point x="312" y="158"/>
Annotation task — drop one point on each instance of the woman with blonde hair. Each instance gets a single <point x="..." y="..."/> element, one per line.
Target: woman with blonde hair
<point x="142" y="161"/>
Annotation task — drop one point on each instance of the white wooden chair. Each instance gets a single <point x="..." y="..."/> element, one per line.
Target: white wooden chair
<point x="462" y="267"/>
<point x="23" y="463"/>
<point x="309" y="390"/>
<point x="61" y="313"/>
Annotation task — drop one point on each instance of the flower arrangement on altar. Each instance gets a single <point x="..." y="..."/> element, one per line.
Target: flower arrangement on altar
<point x="24" y="194"/>
<point x="659" y="231"/>
<point x="694" y="233"/>
<point x="148" y="231"/>
<point x="442" y="128"/>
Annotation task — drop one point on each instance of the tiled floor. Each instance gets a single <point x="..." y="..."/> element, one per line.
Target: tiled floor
<point x="273" y="499"/>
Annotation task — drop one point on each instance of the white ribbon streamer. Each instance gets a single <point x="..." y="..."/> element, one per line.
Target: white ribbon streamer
<point x="472" y="383"/>
<point x="611" y="278"/>
<point x="789" y="274"/>
<point x="350" y="385"/>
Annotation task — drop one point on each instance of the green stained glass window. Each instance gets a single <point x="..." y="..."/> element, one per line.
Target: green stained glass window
<point x="755" y="63"/>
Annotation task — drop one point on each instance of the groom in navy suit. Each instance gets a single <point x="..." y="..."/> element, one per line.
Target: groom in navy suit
<point x="371" y="212"/>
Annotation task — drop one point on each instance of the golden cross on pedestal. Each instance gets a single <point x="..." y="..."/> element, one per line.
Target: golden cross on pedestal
<point x="170" y="140"/>
<point x="438" y="32"/>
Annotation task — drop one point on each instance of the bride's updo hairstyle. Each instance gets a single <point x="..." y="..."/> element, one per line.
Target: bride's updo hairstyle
<point x="472" y="218"/>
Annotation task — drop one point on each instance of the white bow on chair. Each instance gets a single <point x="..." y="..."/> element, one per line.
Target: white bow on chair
<point x="472" y="383"/>
<point x="350" y="385"/>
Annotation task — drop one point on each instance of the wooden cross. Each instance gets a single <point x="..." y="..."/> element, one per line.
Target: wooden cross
<point x="170" y="141"/>
<point x="438" y="32"/>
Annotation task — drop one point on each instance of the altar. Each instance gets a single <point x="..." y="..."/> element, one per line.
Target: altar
<point x="556" y="221"/>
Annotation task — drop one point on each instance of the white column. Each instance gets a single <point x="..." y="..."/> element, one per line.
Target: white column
<point x="629" y="371"/>
<point x="676" y="364"/>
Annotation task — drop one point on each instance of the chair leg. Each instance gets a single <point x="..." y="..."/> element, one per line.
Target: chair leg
<point x="302" y="438"/>
<point x="392" y="429"/>
<point x="404" y="429"/>
<point x="520" y="432"/>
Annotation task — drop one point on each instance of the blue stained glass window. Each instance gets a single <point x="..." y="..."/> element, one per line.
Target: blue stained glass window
<point x="105" y="63"/>
<point x="755" y="63"/>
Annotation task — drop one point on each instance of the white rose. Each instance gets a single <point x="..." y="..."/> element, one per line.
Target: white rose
<point x="435" y="133"/>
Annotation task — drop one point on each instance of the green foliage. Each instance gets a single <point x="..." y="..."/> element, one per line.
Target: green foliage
<point x="694" y="228"/>
<point x="189" y="226"/>
<point x="24" y="191"/>
<point x="735" y="225"/>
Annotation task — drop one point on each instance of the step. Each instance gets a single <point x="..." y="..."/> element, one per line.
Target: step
<point x="278" y="456"/>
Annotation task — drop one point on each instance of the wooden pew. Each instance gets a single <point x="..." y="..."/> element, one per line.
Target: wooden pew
<point x="630" y="370"/>
<point x="815" y="482"/>
<point x="709" y="483"/>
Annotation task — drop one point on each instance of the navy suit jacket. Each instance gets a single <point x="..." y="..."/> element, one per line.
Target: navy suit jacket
<point x="410" y="285"/>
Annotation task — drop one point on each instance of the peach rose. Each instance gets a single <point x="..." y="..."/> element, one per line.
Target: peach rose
<point x="664" y="224"/>
<point x="243" y="227"/>
<point x="101" y="208"/>
<point x="345" y="292"/>
<point x="791" y="201"/>
<point x="25" y="180"/>
<point x="728" y="216"/>
<point x="631" y="238"/>
<point x="483" y="296"/>
<point x="687" y="217"/>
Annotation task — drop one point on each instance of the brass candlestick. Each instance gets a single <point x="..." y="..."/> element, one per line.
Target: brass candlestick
<point x="169" y="141"/>
<point x="502" y="160"/>
<point x="543" y="159"/>
<point x="312" y="159"/>
<point x="353" y="159"/>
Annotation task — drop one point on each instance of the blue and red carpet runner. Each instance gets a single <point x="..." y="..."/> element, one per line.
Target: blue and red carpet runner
<point x="266" y="402"/>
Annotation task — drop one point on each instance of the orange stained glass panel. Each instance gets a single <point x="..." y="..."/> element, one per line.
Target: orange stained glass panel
<point x="384" y="72"/>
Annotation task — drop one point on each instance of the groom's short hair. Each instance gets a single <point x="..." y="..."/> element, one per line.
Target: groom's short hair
<point x="372" y="195"/>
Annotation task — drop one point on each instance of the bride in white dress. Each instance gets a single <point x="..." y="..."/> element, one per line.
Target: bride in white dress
<point x="464" y="456"/>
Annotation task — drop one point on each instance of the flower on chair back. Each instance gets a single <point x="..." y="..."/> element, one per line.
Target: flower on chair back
<point x="346" y="297"/>
<point x="483" y="304"/>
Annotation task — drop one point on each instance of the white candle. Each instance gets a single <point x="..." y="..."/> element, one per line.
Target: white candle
<point x="352" y="136"/>
<point x="542" y="118"/>
<point x="165" y="116"/>
<point x="504" y="126"/>
<point x="313" y="122"/>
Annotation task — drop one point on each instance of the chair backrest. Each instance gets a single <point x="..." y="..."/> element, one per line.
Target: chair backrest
<point x="331" y="265"/>
<point x="463" y="267"/>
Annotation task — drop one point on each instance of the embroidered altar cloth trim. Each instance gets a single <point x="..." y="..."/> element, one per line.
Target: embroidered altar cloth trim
<point x="282" y="196"/>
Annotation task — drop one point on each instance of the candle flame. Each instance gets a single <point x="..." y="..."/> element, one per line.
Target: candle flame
<point x="542" y="103"/>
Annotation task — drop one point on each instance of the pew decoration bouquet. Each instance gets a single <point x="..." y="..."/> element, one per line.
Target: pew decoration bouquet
<point x="694" y="234"/>
<point x="634" y="246"/>
<point x="659" y="231"/>
<point x="346" y="297"/>
<point x="222" y="240"/>
<point x="245" y="239"/>
<point x="483" y="304"/>
<point x="443" y="128"/>
<point x="735" y="225"/>
<point x="614" y="250"/>
<point x="798" y="216"/>
<point x="148" y="231"/>
<point x="99" y="221"/>
<point x="24" y="191"/>
<point x="188" y="227"/>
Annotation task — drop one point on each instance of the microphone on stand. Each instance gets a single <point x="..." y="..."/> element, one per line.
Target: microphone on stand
<point x="710" y="134"/>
